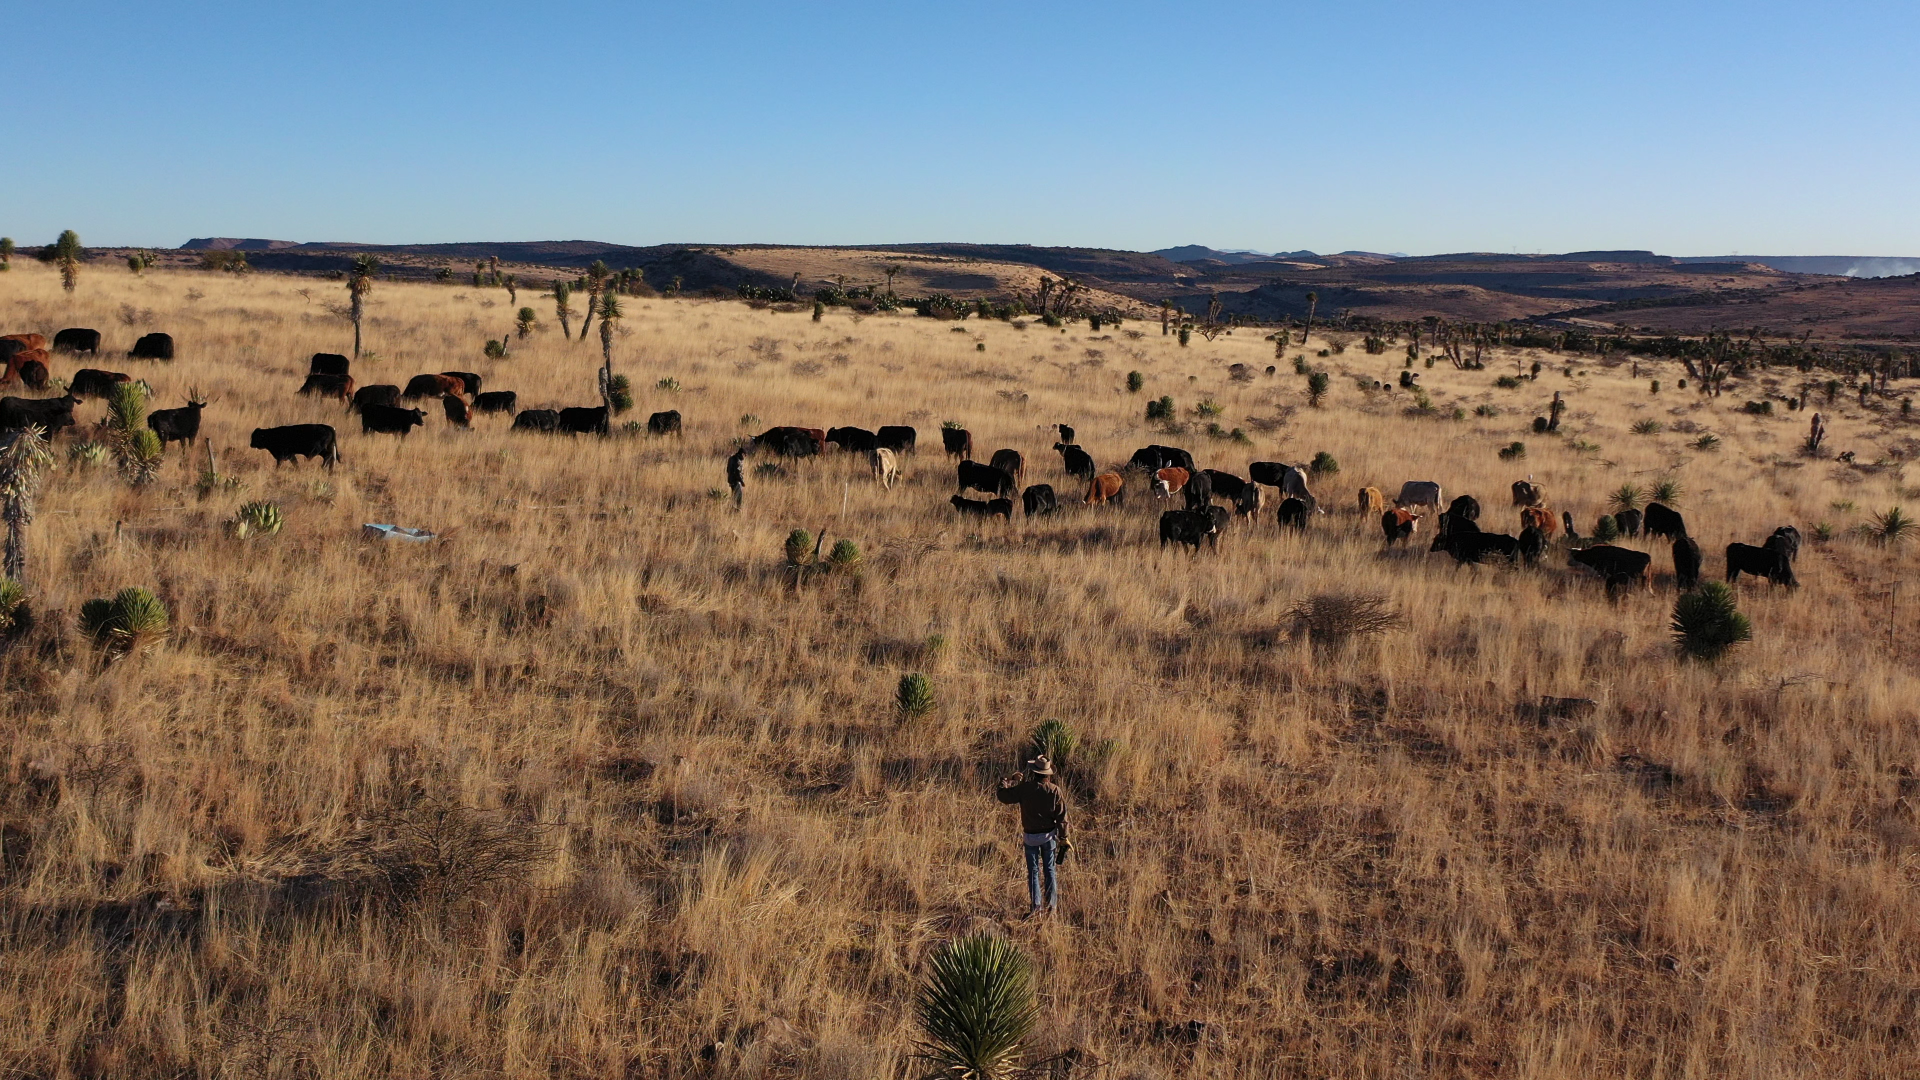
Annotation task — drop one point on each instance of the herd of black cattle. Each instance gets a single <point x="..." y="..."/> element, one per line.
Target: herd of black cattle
<point x="1169" y="470"/>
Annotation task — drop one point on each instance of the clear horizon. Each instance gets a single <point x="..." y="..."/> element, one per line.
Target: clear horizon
<point x="1696" y="129"/>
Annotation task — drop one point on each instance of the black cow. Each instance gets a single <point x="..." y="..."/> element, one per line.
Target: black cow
<point x="17" y="413"/>
<point x="1187" y="527"/>
<point x="505" y="401"/>
<point x="1786" y="540"/>
<point x="458" y="412"/>
<point x="1066" y="433"/>
<point x="1076" y="461"/>
<point x="390" y="420"/>
<point x="1151" y="459"/>
<point x="537" y="420"/>
<point x="1462" y="508"/>
<point x="77" y="339"/>
<point x="1290" y="480"/>
<point x="1222" y="517"/>
<point x="787" y="442"/>
<point x="329" y="363"/>
<point x="1533" y="544"/>
<point x="997" y="507"/>
<point x="153" y="347"/>
<point x="584" y="421"/>
<point x="431" y="386"/>
<point x="1686" y="561"/>
<point x="1225" y="485"/>
<point x="1474" y="546"/>
<point x="467" y="379"/>
<point x="1769" y="563"/>
<point x="1628" y="522"/>
<point x="297" y="440"/>
<point x="92" y="382"/>
<point x="1011" y="462"/>
<point x="1294" y="513"/>
<point x="1451" y="524"/>
<point x="958" y="442"/>
<point x="1199" y="491"/>
<point x="9" y="346"/>
<point x="1616" y="565"/>
<point x="1665" y="521"/>
<point x="662" y="423"/>
<point x="1039" y="499"/>
<point x="340" y="386"/>
<point x="972" y="474"/>
<point x="896" y="437"/>
<point x="177" y="425"/>
<point x="853" y="439"/>
<point x="377" y="394"/>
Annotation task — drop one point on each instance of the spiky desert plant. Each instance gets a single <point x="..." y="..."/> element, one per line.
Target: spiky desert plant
<point x="127" y="408"/>
<point x="596" y="289"/>
<point x="620" y="393"/>
<point x="844" y="556"/>
<point x="1648" y="426"/>
<point x="1135" y="381"/>
<point x="87" y="455"/>
<point x="7" y="248"/>
<point x="12" y="595"/>
<point x="562" y="308"/>
<point x="359" y="284"/>
<point x="1626" y="497"/>
<point x="1707" y="622"/>
<point x="526" y="322"/>
<point x="24" y="456"/>
<point x="1707" y="444"/>
<point x="1323" y="464"/>
<point x="799" y="547"/>
<point x="977" y="1008"/>
<point x="1892" y="528"/>
<point x="1317" y="384"/>
<point x="141" y="455"/>
<point x="1606" y="530"/>
<point x="1056" y="739"/>
<point x="1667" y="491"/>
<point x="256" y="519"/>
<point x="132" y="621"/>
<point x="914" y="695"/>
<point x="66" y="253"/>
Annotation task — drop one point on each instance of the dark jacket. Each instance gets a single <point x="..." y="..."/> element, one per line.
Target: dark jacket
<point x="1042" y="808"/>
<point x="735" y="474"/>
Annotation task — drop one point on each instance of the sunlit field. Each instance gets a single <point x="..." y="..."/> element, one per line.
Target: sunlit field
<point x="596" y="784"/>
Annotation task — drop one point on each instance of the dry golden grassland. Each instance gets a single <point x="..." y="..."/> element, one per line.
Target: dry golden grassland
<point x="599" y="787"/>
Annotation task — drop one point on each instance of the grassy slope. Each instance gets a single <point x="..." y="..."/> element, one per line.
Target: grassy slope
<point x="1351" y="864"/>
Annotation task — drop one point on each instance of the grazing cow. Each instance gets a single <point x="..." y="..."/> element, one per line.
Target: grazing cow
<point x="1371" y="502"/>
<point x="1419" y="493"/>
<point x="297" y="440"/>
<point x="958" y="441"/>
<point x="21" y="342"/>
<point x="432" y="386"/>
<point x="1066" y="433"/>
<point x="1464" y="508"/>
<point x="1107" y="487"/>
<point x="1156" y="457"/>
<point x="1039" y="499"/>
<point x="153" y="347"/>
<point x="377" y="394"/>
<point x="1249" y="501"/>
<point x="1616" y="565"/>
<point x="996" y="507"/>
<point x="885" y="465"/>
<point x="1169" y="480"/>
<point x="492" y="401"/>
<point x="852" y="439"/>
<point x="178" y="425"/>
<point x="52" y="414"/>
<point x="819" y="437"/>
<point x="1225" y="485"/>
<point x="1222" y="517"/>
<point x="469" y="382"/>
<point x="1012" y="462"/>
<point x="1628" y="522"/>
<point x="1769" y="563"/>
<point x="1539" y="517"/>
<point x="1665" y="521"/>
<point x="584" y="421"/>
<point x="334" y="386"/>
<point x="77" y="339"/>
<point x="94" y="383"/>
<point x="787" y="442"/>
<point x="1187" y="527"/>
<point x="1526" y="493"/>
<point x="17" y="365"/>
<point x="664" y="423"/>
<point x="544" y="420"/>
<point x="1786" y="540"/>
<point x="459" y="413"/>
<point x="329" y="363"/>
<point x="972" y="474"/>
<point x="390" y="420"/>
<point x="1076" y="461"/>
<point x="1294" y="512"/>
<point x="1467" y="544"/>
<point x="34" y="373"/>
<point x="1686" y="561"/>
<point x="1199" y="491"/>
<point x="1533" y="544"/>
<point x="896" y="437"/>
<point x="1398" y="524"/>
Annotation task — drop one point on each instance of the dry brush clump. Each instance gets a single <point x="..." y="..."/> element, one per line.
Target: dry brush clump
<point x="598" y="786"/>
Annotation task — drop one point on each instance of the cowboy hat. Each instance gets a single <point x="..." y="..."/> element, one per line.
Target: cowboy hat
<point x="1040" y="766"/>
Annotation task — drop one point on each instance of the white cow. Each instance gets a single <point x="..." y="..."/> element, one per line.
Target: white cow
<point x="886" y="466"/>
<point x="1419" y="493"/>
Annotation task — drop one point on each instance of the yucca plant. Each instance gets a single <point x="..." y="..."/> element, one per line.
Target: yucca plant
<point x="12" y="595"/>
<point x="1667" y="491"/>
<point x="1323" y="464"/>
<point x="799" y="547"/>
<point x="1649" y="426"/>
<point x="1135" y="381"/>
<point x="1054" y="738"/>
<point x="256" y="519"/>
<point x="1707" y="622"/>
<point x="914" y="695"/>
<point x="1626" y="497"/>
<point x="1317" y="384"/>
<point x="87" y="455"/>
<point x="359" y="284"/>
<point x="620" y="392"/>
<point x="670" y="384"/>
<point x="127" y="408"/>
<point x="844" y="556"/>
<point x="24" y="455"/>
<point x="1892" y="528"/>
<point x="66" y="253"/>
<point x="977" y="1008"/>
<point x="562" y="309"/>
<point x="1606" y="530"/>
<point x="134" y="620"/>
<point x="141" y="455"/>
<point x="526" y="322"/>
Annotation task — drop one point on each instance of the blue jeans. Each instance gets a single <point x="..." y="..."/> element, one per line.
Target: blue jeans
<point x="1042" y="856"/>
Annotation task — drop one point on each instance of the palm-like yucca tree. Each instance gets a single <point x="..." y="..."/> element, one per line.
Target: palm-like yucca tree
<point x="1313" y="301"/>
<point x="563" y="310"/>
<point x="359" y="284"/>
<point x="596" y="284"/>
<point x="6" y="252"/>
<point x="609" y="315"/>
<point x="66" y="252"/>
<point x="976" y="1008"/>
<point x="24" y="455"/>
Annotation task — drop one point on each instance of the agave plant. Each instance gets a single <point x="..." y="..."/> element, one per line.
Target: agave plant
<point x="256" y="519"/>
<point x="133" y="621"/>
<point x="1648" y="426"/>
<point x="977" y="1008"/>
<point x="87" y="455"/>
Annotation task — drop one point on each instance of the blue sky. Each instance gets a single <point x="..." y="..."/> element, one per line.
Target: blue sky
<point x="1689" y="128"/>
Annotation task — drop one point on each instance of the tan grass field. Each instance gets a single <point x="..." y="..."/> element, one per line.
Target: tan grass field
<point x="1371" y="861"/>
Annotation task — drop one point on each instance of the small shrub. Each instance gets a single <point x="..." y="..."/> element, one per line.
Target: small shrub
<point x="12" y="595"/>
<point x="1507" y="382"/>
<point x="255" y="519"/>
<point x="1892" y="528"/>
<point x="819" y="310"/>
<point x="1513" y="451"/>
<point x="1606" y="530"/>
<point x="1583" y="446"/>
<point x="1186" y="336"/>
<point x="951" y="425"/>
<point x="495" y="349"/>
<point x="1317" y="388"/>
<point x="1300" y="365"/>
<point x="1654" y="387"/>
<point x="979" y="346"/>
<point x="87" y="455"/>
<point x="1208" y="407"/>
<point x="1135" y="381"/>
<point x="1332" y="618"/>
<point x="1666" y="490"/>
<point x="1323" y="464"/>
<point x="1758" y="408"/>
<point x="1406" y="380"/>
<point x="1648" y="426"/>
<point x="1707" y="622"/>
<point x="1682" y="384"/>
<point x="1539" y="425"/>
<point x="1706" y="443"/>
<point x="132" y="621"/>
<point x="799" y="547"/>
<point x="672" y="386"/>
<point x="914" y="695"/>
<point x="620" y="394"/>
<point x="1161" y="409"/>
<point x="844" y="556"/>
<point x="1458" y="413"/>
<point x="1626" y="497"/>
<point x="1486" y="411"/>
<point x="1239" y="435"/>
<point x="1823" y="532"/>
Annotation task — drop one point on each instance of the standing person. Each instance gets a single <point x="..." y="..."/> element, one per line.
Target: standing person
<point x="737" y="475"/>
<point x="1043" y="823"/>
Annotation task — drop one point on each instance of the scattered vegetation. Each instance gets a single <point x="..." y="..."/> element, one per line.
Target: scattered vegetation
<point x="1707" y="622"/>
<point x="976" y="1009"/>
<point x="914" y="695"/>
<point x="133" y="621"/>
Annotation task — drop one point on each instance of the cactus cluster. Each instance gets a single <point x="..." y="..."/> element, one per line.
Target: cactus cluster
<point x="256" y="519"/>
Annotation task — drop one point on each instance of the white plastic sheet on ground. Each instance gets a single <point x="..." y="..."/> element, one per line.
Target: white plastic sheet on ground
<point x="394" y="532"/>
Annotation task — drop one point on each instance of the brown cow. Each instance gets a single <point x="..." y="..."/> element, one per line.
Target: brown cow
<point x="1398" y="524"/>
<point x="1526" y="493"/>
<point x="819" y="436"/>
<point x="20" y="359"/>
<point x="1107" y="487"/>
<point x="433" y="386"/>
<point x="1372" y="503"/>
<point x="457" y="411"/>
<point x="1012" y="462"/>
<point x="1540" y="518"/>
<point x="27" y="341"/>
<point x="1169" y="480"/>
